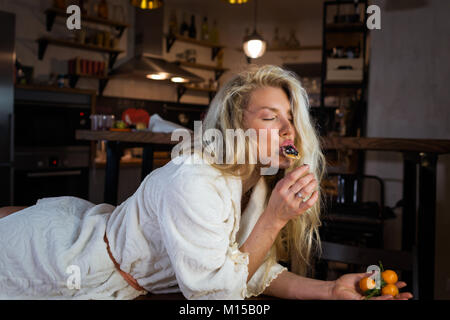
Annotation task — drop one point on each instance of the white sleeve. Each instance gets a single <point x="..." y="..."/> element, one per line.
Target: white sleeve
<point x="263" y="276"/>
<point x="196" y="220"/>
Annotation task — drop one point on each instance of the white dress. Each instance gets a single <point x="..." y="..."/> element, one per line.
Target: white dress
<point x="180" y="231"/>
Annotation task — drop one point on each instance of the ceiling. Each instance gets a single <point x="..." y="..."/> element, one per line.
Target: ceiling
<point x="269" y="11"/>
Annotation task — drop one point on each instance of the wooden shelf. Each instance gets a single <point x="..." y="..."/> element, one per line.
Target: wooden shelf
<point x="215" y="48"/>
<point x="202" y="43"/>
<point x="131" y="136"/>
<point x="92" y="76"/>
<point x="438" y="146"/>
<point x="73" y="44"/>
<point x="343" y="84"/>
<point x="342" y="87"/>
<point x="52" y="13"/>
<point x="199" y="89"/>
<point x="217" y="71"/>
<point x="344" y="34"/>
<point x="45" y="41"/>
<point x="54" y="89"/>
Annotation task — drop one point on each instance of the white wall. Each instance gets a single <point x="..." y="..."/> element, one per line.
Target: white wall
<point x="408" y="98"/>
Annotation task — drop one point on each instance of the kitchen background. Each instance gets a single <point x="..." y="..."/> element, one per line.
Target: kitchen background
<point x="407" y="86"/>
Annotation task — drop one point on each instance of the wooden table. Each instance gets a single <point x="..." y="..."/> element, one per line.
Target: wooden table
<point x="421" y="153"/>
<point x="116" y="142"/>
<point x="418" y="221"/>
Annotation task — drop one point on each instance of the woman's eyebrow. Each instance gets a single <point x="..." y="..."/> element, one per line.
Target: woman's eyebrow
<point x="270" y="108"/>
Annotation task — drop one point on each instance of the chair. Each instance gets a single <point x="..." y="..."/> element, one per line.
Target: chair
<point x="348" y="219"/>
<point x="352" y="231"/>
<point x="404" y="261"/>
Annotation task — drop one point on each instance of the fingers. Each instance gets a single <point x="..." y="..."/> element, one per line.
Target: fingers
<point x="401" y="296"/>
<point x="385" y="297"/>
<point x="292" y="177"/>
<point x="309" y="203"/>
<point x="306" y="185"/>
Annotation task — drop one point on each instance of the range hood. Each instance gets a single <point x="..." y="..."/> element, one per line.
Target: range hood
<point x="146" y="66"/>
<point x="148" y="62"/>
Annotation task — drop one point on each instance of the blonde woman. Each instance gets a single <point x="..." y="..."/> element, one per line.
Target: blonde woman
<point x="210" y="229"/>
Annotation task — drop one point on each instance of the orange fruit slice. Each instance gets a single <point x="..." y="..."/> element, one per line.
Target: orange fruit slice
<point x="366" y="283"/>
<point x="390" y="289"/>
<point x="389" y="276"/>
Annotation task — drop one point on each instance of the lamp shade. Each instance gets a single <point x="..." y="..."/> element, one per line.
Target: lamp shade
<point x="236" y="1"/>
<point x="254" y="45"/>
<point x="147" y="4"/>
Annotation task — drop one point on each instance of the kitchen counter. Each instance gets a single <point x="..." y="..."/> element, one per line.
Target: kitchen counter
<point x="436" y="146"/>
<point x="134" y="137"/>
<point x="159" y="159"/>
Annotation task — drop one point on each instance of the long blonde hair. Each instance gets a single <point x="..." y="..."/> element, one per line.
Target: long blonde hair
<point x="299" y="239"/>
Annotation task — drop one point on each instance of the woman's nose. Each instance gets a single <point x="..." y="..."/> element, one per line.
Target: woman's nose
<point x="286" y="129"/>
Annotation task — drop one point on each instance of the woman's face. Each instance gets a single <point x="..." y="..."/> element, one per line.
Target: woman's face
<point x="268" y="109"/>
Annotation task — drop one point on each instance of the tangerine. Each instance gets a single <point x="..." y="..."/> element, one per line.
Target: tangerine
<point x="366" y="283"/>
<point x="390" y="289"/>
<point x="389" y="276"/>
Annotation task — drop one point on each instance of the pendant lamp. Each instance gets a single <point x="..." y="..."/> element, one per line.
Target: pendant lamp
<point x="254" y="45"/>
<point x="236" y="1"/>
<point x="147" y="4"/>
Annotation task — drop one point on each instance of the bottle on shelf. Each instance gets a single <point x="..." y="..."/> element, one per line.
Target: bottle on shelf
<point x="214" y="33"/>
<point x="80" y="36"/>
<point x="103" y="9"/>
<point x="204" y="30"/>
<point x="283" y="41"/>
<point x="276" y="39"/>
<point x="293" y="41"/>
<point x="59" y="4"/>
<point x="192" y="29"/>
<point x="83" y="4"/>
<point x="173" y="24"/>
<point x="93" y="9"/>
<point x="118" y="13"/>
<point x="356" y="16"/>
<point x="184" y="27"/>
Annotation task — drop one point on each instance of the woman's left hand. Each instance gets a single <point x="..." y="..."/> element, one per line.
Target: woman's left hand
<point x="347" y="288"/>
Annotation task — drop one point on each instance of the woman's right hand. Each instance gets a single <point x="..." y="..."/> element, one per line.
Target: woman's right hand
<point x="284" y="203"/>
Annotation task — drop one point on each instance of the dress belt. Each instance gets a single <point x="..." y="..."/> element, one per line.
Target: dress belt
<point x="128" y="277"/>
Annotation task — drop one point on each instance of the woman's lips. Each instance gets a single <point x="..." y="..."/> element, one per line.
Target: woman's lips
<point x="287" y="142"/>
